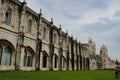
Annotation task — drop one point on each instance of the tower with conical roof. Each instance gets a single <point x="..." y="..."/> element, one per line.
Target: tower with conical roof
<point x="104" y="57"/>
<point x="103" y="51"/>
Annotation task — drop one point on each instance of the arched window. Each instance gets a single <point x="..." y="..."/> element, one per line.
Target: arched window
<point x="6" y="59"/>
<point x="44" y="62"/>
<point x="8" y="16"/>
<point x="0" y="54"/>
<point x="55" y="38"/>
<point x="28" y="58"/>
<point x="44" y="33"/>
<point x="29" y="26"/>
<point x="55" y="62"/>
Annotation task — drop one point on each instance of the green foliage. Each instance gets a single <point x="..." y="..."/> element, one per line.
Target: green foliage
<point x="58" y="75"/>
<point x="117" y="62"/>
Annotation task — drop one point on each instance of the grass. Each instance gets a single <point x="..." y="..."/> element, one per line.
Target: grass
<point x="57" y="75"/>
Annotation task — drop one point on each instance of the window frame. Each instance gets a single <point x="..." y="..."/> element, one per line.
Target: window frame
<point x="44" y="61"/>
<point x="6" y="59"/>
<point x="28" y="58"/>
<point x="8" y="16"/>
<point x="1" y="54"/>
<point x="55" y="61"/>
<point x="29" y="28"/>
<point x="44" y="33"/>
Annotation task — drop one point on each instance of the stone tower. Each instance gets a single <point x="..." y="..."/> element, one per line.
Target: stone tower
<point x="104" y="57"/>
<point x="103" y="51"/>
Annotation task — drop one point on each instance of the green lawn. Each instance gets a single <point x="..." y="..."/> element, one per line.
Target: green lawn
<point x="57" y="75"/>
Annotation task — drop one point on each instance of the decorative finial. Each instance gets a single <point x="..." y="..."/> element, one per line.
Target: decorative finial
<point x="24" y="0"/>
<point x="60" y="26"/>
<point x="41" y="11"/>
<point x="71" y="35"/>
<point x="66" y="31"/>
<point x="52" y="20"/>
<point x="76" y="38"/>
<point x="79" y="41"/>
<point x="90" y="39"/>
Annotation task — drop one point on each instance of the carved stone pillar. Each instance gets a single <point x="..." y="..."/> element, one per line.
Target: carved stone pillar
<point x="20" y="36"/>
<point x="60" y="49"/>
<point x="51" y="46"/>
<point x="38" y="42"/>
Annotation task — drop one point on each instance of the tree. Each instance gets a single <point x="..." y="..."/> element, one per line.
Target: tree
<point x="117" y="62"/>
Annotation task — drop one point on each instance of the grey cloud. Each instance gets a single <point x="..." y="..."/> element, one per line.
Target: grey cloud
<point x="68" y="12"/>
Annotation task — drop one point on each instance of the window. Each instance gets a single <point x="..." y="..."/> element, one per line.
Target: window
<point x="25" y="58"/>
<point x="44" y="33"/>
<point x="55" y="61"/>
<point x="29" y="26"/>
<point x="28" y="58"/>
<point x="44" y="61"/>
<point x="0" y="53"/>
<point x="2" y="1"/>
<point x="8" y="16"/>
<point x="6" y="59"/>
<point x="55" y="38"/>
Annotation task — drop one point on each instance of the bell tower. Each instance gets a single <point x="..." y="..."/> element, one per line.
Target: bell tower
<point x="103" y="51"/>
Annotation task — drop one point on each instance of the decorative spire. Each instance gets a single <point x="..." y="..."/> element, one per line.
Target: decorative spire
<point x="76" y="38"/>
<point x="89" y="39"/>
<point x="40" y="11"/>
<point x="79" y="41"/>
<point x="60" y="26"/>
<point x="52" y="20"/>
<point x="24" y="1"/>
<point x="66" y="31"/>
<point x="71" y="35"/>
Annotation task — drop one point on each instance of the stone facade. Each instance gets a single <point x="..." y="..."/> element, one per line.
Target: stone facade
<point x="30" y="42"/>
<point x="107" y="63"/>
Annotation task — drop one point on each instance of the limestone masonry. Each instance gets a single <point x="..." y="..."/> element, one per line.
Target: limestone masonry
<point x="28" y="41"/>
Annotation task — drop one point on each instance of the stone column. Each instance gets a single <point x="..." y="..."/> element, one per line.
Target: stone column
<point x="20" y="37"/>
<point x="38" y="42"/>
<point x="51" y="46"/>
<point x="72" y="53"/>
<point x="67" y="51"/>
<point x="78" y="62"/>
<point x="60" y="48"/>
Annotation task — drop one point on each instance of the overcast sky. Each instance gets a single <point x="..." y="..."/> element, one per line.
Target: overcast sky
<point x="99" y="19"/>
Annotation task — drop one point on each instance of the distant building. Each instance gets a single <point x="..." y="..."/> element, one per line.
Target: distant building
<point x="106" y="62"/>
<point x="30" y="42"/>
